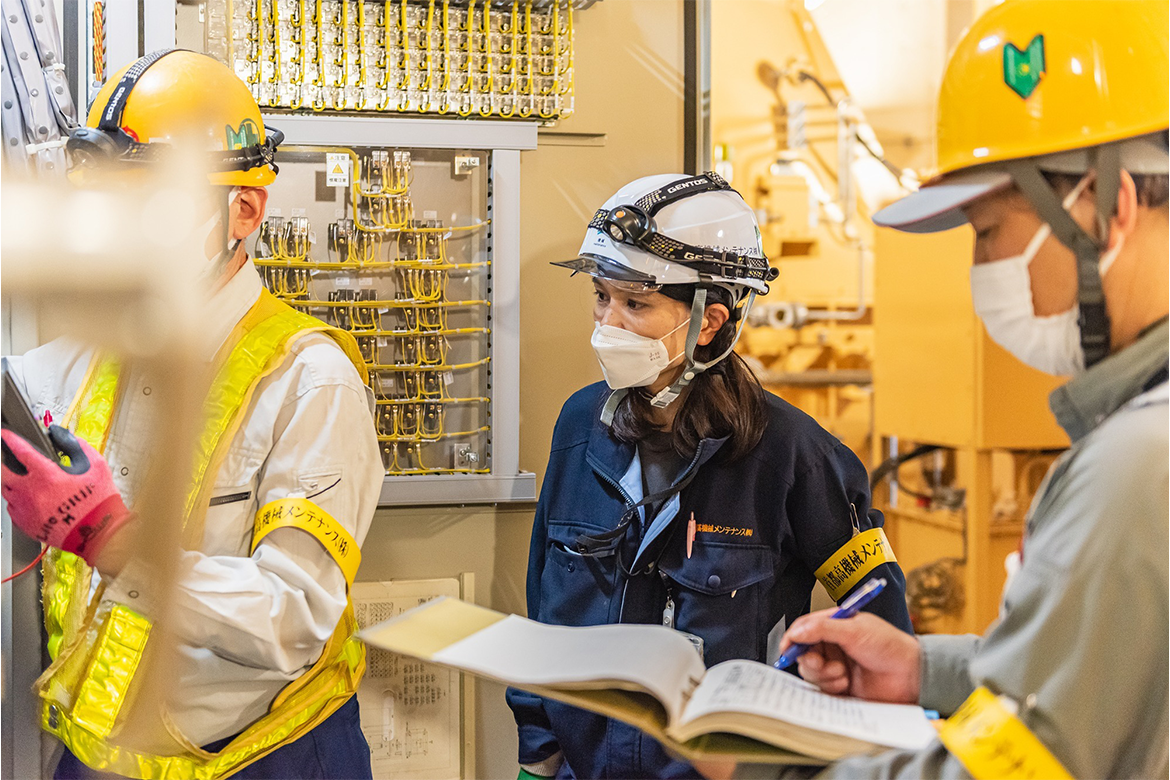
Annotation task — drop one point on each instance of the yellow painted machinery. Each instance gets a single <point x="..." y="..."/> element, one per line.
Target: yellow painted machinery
<point x="791" y="140"/>
<point x="939" y="381"/>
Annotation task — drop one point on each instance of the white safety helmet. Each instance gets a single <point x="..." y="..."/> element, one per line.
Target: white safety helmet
<point x="677" y="229"/>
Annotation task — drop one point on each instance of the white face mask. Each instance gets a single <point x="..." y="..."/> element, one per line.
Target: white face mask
<point x="211" y="273"/>
<point x="628" y="359"/>
<point x="1002" y="293"/>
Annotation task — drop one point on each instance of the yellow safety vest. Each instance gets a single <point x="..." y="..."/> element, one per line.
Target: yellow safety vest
<point x="97" y="645"/>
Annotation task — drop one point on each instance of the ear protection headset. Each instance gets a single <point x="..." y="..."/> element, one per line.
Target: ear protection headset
<point x="634" y="225"/>
<point x="109" y="142"/>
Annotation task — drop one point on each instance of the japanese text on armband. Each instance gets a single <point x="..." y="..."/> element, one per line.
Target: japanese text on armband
<point x="992" y="742"/>
<point x="304" y="514"/>
<point x="853" y="561"/>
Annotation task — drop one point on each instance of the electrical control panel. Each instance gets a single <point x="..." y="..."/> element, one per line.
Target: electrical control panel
<point x="507" y="59"/>
<point x="398" y="227"/>
<point x="391" y="245"/>
<point x="411" y="247"/>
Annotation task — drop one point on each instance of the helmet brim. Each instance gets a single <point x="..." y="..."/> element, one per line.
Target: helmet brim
<point x="939" y="206"/>
<point x="604" y="268"/>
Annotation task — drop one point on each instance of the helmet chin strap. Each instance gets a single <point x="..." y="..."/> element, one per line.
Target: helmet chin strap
<point x="693" y="368"/>
<point x="1093" y="318"/>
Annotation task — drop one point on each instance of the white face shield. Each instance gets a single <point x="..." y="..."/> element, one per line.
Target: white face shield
<point x="694" y="229"/>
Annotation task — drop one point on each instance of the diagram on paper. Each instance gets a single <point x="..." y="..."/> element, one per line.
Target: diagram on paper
<point x="410" y="710"/>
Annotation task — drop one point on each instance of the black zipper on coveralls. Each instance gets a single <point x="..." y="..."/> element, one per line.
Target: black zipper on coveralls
<point x="678" y="480"/>
<point x="610" y="540"/>
<point x="597" y="468"/>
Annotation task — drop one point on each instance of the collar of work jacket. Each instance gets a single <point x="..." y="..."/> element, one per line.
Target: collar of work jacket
<point x="1086" y="401"/>
<point x="226" y="307"/>
<point x="619" y="464"/>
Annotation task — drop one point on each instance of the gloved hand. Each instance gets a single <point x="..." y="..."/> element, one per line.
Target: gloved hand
<point x="526" y="775"/>
<point x="75" y="508"/>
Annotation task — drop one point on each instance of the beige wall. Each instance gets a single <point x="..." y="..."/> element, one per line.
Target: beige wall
<point x="628" y="123"/>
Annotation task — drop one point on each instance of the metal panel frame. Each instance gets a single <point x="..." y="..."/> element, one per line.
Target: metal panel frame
<point x="122" y="36"/>
<point x="697" y="86"/>
<point x="406" y="132"/>
<point x="20" y="606"/>
<point x="503" y="141"/>
<point x="158" y="25"/>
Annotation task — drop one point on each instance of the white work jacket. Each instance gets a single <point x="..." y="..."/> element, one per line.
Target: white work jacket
<point x="247" y="624"/>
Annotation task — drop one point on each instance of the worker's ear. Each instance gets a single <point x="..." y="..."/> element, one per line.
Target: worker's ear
<point x="715" y="316"/>
<point x="248" y="211"/>
<point x="1124" y="221"/>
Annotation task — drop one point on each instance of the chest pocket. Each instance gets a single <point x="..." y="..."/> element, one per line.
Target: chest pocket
<point x="227" y="528"/>
<point x="719" y="595"/>
<point x="575" y="589"/>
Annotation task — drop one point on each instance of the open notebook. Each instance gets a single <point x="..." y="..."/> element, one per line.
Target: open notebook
<point x="652" y="678"/>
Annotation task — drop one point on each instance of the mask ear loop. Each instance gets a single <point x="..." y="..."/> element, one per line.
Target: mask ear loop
<point x="1093" y="318"/>
<point x="218" y="263"/>
<point x="693" y="367"/>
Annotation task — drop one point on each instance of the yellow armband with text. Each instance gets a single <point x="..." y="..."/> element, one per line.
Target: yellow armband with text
<point x="991" y="742"/>
<point x="853" y="561"/>
<point x="304" y="514"/>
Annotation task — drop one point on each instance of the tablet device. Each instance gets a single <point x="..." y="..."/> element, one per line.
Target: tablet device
<point x="16" y="416"/>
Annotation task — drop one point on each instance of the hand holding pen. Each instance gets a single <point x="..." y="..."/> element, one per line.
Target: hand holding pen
<point x="863" y="656"/>
<point x="850" y="607"/>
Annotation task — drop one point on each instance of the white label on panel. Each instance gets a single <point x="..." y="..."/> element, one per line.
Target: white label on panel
<point x="336" y="169"/>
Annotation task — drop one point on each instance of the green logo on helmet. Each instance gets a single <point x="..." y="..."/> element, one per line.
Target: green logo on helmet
<point x="248" y="135"/>
<point x="1022" y="70"/>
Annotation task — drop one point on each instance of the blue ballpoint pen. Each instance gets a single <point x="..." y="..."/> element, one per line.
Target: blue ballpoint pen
<point x="851" y="607"/>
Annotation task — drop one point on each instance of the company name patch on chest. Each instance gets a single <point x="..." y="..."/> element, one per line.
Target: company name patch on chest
<point x="723" y="530"/>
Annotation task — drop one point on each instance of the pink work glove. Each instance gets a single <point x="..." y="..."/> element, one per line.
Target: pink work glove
<point x="75" y="508"/>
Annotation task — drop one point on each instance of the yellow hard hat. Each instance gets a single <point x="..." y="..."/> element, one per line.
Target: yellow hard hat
<point x="1064" y="86"/>
<point x="1034" y="78"/>
<point x="175" y="98"/>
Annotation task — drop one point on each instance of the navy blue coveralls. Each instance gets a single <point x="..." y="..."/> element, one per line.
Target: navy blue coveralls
<point x="765" y="523"/>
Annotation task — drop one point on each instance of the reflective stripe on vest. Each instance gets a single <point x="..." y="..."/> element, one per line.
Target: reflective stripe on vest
<point x="67" y="578"/>
<point x="97" y="645"/>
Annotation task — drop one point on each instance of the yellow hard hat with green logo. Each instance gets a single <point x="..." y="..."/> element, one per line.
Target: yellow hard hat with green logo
<point x="177" y="98"/>
<point x="1050" y="86"/>
<point x="1034" y="78"/>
